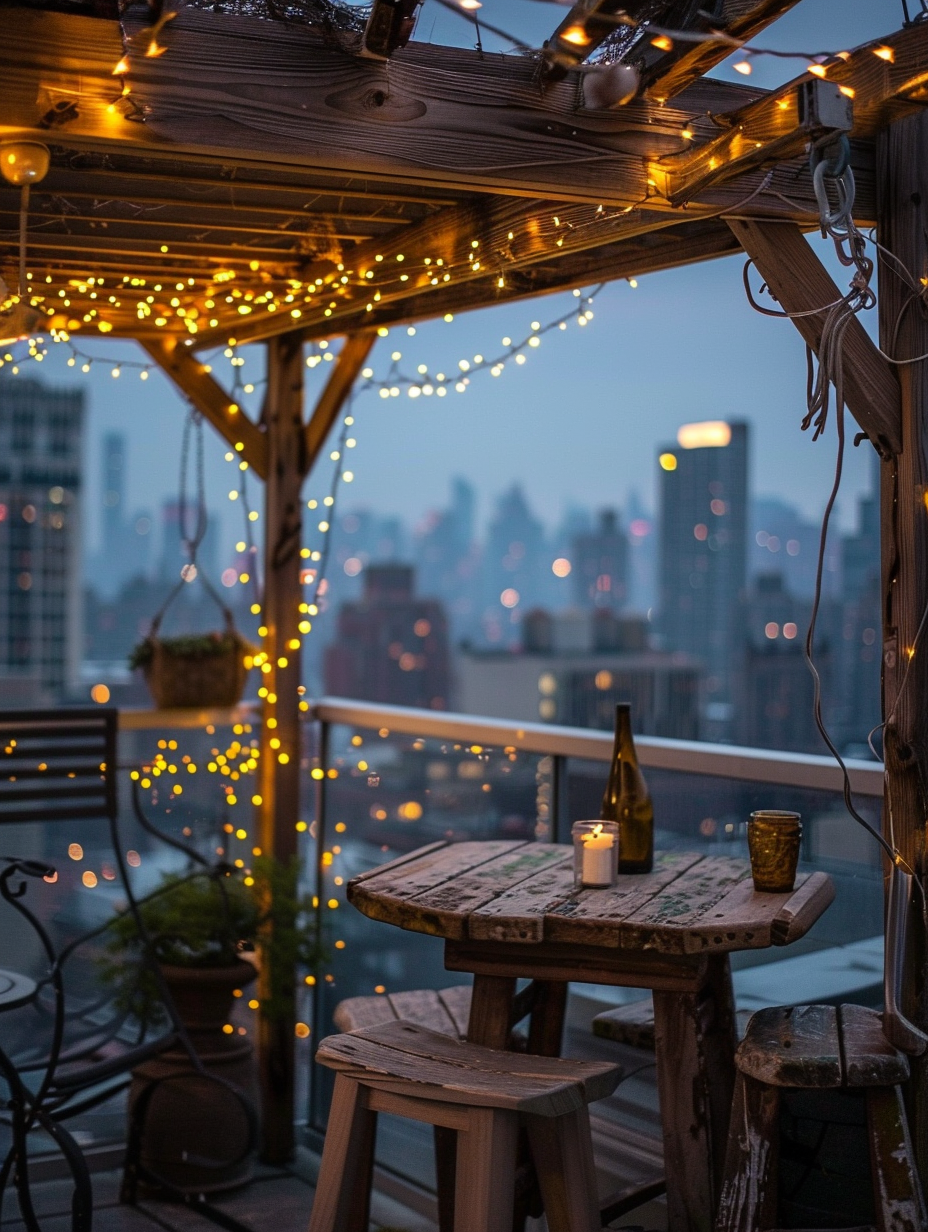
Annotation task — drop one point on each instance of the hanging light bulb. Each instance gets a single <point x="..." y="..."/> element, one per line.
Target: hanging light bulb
<point x="22" y="163"/>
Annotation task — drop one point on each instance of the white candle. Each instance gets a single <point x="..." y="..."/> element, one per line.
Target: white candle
<point x="597" y="859"/>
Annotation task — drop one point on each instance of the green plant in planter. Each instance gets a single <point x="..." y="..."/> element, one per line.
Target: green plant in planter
<point x="189" y="646"/>
<point x="208" y="919"/>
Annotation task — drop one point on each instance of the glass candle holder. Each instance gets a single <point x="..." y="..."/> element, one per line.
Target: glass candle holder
<point x="596" y="853"/>
<point x="773" y="843"/>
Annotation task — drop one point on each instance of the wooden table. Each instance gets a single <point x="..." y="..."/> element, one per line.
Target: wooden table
<point x="508" y="910"/>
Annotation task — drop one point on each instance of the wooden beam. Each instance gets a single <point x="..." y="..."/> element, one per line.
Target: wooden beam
<point x="646" y="254"/>
<point x="770" y="130"/>
<point x="238" y="90"/>
<point x="686" y="62"/>
<point x="210" y="399"/>
<point x="799" y="281"/>
<point x="665" y="72"/>
<point x="350" y="360"/>
<point x="903" y="189"/>
<point x="279" y="771"/>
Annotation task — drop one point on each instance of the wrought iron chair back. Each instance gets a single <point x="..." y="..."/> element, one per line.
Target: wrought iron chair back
<point x="61" y="766"/>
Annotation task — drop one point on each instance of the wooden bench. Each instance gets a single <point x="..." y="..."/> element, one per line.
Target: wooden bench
<point x="445" y="1011"/>
<point x="817" y="1048"/>
<point x="633" y="1024"/>
<point x="482" y="1095"/>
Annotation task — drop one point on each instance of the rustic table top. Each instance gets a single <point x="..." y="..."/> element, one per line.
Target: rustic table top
<point x="523" y="892"/>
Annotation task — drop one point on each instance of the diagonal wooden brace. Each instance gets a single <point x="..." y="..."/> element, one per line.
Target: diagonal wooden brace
<point x="799" y="281"/>
<point x="211" y="400"/>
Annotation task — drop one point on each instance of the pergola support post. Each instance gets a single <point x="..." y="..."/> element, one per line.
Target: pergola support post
<point x="279" y="764"/>
<point x="902" y="188"/>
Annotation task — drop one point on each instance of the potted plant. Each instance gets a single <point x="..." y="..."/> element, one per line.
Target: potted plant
<point x="194" y="670"/>
<point x="197" y="1119"/>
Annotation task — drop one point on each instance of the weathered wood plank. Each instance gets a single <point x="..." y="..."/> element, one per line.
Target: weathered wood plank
<point x="791" y="268"/>
<point x="596" y="917"/>
<point x="665" y="920"/>
<point x="899" y="1200"/>
<point x="456" y="1001"/>
<point x="563" y="963"/>
<point x="802" y="909"/>
<point x="424" y="1007"/>
<point x="793" y="1046"/>
<point x="406" y="858"/>
<point x="519" y="914"/>
<point x="769" y="131"/>
<point x="342" y="1201"/>
<point x="408" y="1059"/>
<point x="385" y="896"/>
<point x="356" y="1013"/>
<point x="749" y="1189"/>
<point x="743" y="918"/>
<point x="448" y="906"/>
<point x="869" y="1059"/>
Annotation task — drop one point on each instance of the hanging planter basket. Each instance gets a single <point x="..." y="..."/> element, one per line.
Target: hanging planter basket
<point x="200" y="671"/>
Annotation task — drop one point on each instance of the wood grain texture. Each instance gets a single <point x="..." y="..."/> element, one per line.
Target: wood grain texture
<point x="408" y="1059"/>
<point x="797" y="278"/>
<point x="486" y="1162"/>
<point x="769" y="130"/>
<point x="749" y="1191"/>
<point x="562" y="1151"/>
<point x="793" y="1046"/>
<point x="279" y="771"/>
<point x="868" y="1058"/>
<point x="342" y="1195"/>
<point x="566" y="963"/>
<point x="897" y="1190"/>
<point x="524" y="895"/>
<point x="694" y="1047"/>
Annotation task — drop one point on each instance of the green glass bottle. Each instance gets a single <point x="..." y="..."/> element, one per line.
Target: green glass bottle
<point x="627" y="800"/>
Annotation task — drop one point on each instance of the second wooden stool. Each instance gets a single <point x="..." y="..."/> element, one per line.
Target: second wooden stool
<point x="817" y="1047"/>
<point x="481" y="1093"/>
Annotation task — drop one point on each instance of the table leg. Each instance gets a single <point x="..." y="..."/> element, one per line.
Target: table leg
<point x="490" y="1010"/>
<point x="546" y="1027"/>
<point x="695" y="1039"/>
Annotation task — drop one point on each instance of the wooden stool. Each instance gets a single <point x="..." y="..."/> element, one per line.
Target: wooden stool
<point x="817" y="1047"/>
<point x="482" y="1094"/>
<point x="445" y="1011"/>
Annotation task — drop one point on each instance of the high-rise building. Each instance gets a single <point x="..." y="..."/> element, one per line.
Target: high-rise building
<point x="703" y="554"/>
<point x="390" y="646"/>
<point x="446" y="560"/>
<point x="516" y="568"/>
<point x="40" y="536"/>
<point x="600" y="564"/>
<point x="125" y="543"/>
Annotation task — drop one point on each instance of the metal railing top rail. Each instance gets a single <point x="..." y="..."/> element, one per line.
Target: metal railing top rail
<point x="804" y="770"/>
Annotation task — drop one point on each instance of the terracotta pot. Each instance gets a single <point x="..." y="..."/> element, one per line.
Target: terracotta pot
<point x="189" y="1116"/>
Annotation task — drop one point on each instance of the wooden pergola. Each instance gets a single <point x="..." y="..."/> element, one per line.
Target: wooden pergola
<point x="221" y="179"/>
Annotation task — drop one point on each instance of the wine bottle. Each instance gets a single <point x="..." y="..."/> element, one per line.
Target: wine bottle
<point x="626" y="800"/>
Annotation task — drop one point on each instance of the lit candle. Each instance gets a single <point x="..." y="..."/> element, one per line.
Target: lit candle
<point x="597" y="858"/>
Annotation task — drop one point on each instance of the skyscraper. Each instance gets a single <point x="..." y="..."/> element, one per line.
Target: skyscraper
<point x="703" y="554"/>
<point x="40" y="484"/>
<point x="600" y="564"/>
<point x="515" y="575"/>
<point x="390" y="646"/>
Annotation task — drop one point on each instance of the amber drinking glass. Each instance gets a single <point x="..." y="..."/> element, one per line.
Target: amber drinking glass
<point x="773" y="842"/>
